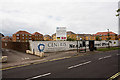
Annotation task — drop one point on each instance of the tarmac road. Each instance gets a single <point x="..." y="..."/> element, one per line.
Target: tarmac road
<point x="101" y="65"/>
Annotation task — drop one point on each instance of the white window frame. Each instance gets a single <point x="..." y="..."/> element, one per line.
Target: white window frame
<point x="17" y="34"/>
<point x="17" y="37"/>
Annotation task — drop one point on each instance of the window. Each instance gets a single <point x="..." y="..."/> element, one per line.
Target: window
<point x="17" y="37"/>
<point x="22" y="37"/>
<point x="30" y="38"/>
<point x="26" y="38"/>
<point x="29" y="35"/>
<point x="17" y="34"/>
<point x="22" y="34"/>
<point x="26" y="34"/>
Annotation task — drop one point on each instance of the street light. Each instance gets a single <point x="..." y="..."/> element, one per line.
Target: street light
<point x="108" y="39"/>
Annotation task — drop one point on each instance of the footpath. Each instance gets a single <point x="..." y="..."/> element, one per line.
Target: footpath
<point x="48" y="57"/>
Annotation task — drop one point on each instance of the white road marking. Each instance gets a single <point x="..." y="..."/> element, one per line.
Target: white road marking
<point x="101" y="58"/>
<point x="118" y="54"/>
<point x="78" y="65"/>
<point x="104" y="57"/>
<point x="39" y="76"/>
<point x="25" y="58"/>
<point x="107" y="56"/>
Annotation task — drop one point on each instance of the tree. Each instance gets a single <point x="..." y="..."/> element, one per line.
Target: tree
<point x="70" y="39"/>
<point x="97" y="38"/>
<point x="118" y="11"/>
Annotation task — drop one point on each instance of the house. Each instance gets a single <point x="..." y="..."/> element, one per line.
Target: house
<point x="47" y="38"/>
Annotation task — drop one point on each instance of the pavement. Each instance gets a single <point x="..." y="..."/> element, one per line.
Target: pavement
<point x="102" y="65"/>
<point x="16" y="58"/>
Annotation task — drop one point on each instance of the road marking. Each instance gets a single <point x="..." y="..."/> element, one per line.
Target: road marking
<point x="78" y="65"/>
<point x="14" y="67"/>
<point x="25" y="58"/>
<point x="34" y="63"/>
<point x="39" y="76"/>
<point x="101" y="58"/>
<point x="114" y="76"/>
<point x="40" y="62"/>
<point x="104" y="57"/>
<point x="107" y="56"/>
<point x="118" y="54"/>
<point x="60" y="58"/>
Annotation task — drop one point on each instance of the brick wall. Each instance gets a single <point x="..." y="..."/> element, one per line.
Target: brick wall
<point x="18" y="46"/>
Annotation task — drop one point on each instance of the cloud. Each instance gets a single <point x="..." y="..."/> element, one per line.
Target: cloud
<point x="44" y="16"/>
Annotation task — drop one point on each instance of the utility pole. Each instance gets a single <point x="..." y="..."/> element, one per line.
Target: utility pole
<point x="108" y="38"/>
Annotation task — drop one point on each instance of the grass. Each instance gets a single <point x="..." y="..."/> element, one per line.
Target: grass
<point x="108" y="49"/>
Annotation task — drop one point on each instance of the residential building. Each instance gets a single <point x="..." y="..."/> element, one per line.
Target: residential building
<point x="104" y="35"/>
<point x="22" y="36"/>
<point x="1" y="35"/>
<point x="47" y="38"/>
<point x="92" y="37"/>
<point x="7" y="39"/>
<point x="71" y="35"/>
<point x="80" y="36"/>
<point x="54" y="37"/>
<point x="83" y="36"/>
<point x="118" y="37"/>
<point x="37" y="37"/>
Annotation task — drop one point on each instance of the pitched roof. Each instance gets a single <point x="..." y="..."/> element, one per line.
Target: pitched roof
<point x="47" y="36"/>
<point x="70" y="32"/>
<point x="22" y="32"/>
<point x="104" y="33"/>
<point x="36" y="33"/>
<point x="54" y="34"/>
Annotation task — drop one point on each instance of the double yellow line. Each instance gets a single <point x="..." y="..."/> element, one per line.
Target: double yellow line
<point x="114" y="76"/>
<point x="35" y="63"/>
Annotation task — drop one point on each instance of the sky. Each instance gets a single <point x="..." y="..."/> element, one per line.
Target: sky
<point x="79" y="16"/>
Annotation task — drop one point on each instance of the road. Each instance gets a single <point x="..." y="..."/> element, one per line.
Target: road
<point x="100" y="65"/>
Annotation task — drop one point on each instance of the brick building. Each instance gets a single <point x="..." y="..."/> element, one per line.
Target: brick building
<point x="22" y="36"/>
<point x="47" y="38"/>
<point x="54" y="37"/>
<point x="83" y="36"/>
<point x="71" y="35"/>
<point x="104" y="35"/>
<point x="37" y="37"/>
<point x="7" y="39"/>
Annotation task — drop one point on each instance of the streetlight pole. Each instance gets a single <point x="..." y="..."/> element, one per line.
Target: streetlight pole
<point x="108" y="39"/>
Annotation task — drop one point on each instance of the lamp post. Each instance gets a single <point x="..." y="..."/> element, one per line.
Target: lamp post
<point x="108" y="39"/>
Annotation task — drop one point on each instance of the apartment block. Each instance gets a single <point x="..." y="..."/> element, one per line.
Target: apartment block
<point x="104" y="35"/>
<point x="22" y="36"/>
<point x="37" y="37"/>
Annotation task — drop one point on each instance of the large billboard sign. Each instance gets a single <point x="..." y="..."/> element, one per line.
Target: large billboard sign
<point x="61" y="33"/>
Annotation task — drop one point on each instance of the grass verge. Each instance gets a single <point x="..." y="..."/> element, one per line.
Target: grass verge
<point x="108" y="49"/>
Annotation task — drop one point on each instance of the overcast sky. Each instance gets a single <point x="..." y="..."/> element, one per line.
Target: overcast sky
<point x="79" y="16"/>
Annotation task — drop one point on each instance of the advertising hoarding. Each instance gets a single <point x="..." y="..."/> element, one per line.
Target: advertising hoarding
<point x="61" y="33"/>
